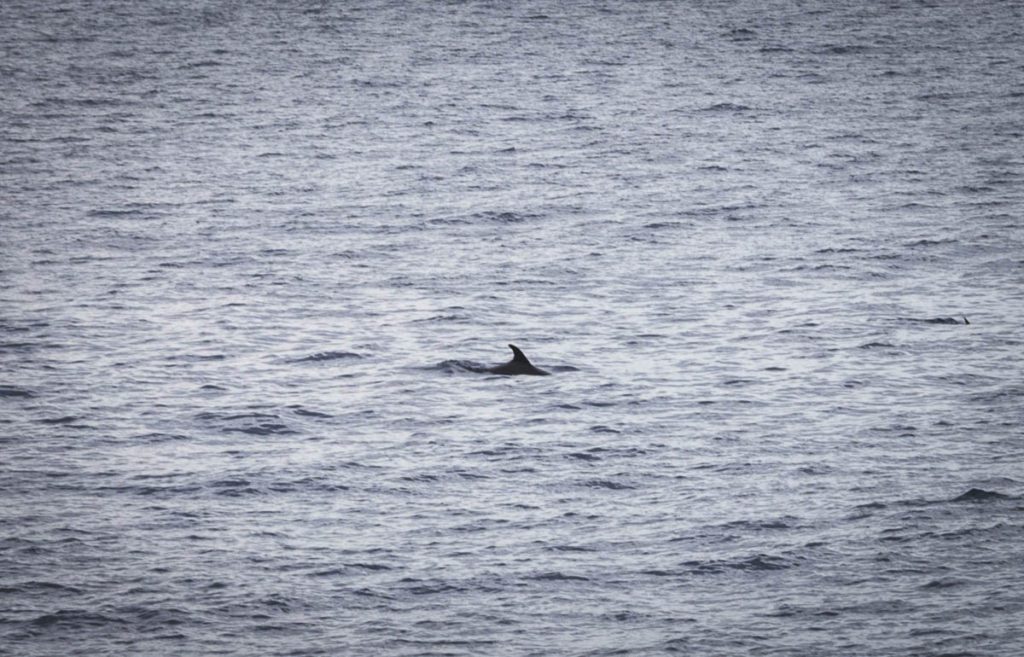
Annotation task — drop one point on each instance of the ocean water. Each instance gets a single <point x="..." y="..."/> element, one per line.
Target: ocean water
<point x="254" y="255"/>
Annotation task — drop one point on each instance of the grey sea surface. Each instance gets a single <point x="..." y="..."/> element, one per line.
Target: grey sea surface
<point x="254" y="255"/>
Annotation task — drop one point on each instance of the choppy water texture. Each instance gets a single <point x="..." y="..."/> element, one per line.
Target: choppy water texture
<point x="253" y="252"/>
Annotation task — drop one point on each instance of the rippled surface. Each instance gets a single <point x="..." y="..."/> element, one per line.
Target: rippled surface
<point x="252" y="253"/>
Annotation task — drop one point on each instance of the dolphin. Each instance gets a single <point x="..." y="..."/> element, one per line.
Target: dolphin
<point x="519" y="364"/>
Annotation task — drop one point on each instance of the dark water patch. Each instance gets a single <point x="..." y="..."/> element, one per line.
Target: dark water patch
<point x="262" y="429"/>
<point x="697" y="567"/>
<point x="583" y="456"/>
<point x="330" y="572"/>
<point x="327" y="356"/>
<point x="243" y="491"/>
<point x="349" y="254"/>
<point x="976" y="189"/>
<point x="944" y="583"/>
<point x="568" y="548"/>
<point x="506" y="217"/>
<point x="761" y="525"/>
<point x="372" y="593"/>
<point x="230" y="483"/>
<point x="73" y="619"/>
<point x="654" y="572"/>
<point x="862" y="511"/>
<point x="15" y="391"/>
<point x="741" y="34"/>
<point x="255" y="424"/>
<point x="877" y="345"/>
<point x="67" y="419"/>
<point x="725" y="108"/>
<point x="112" y="214"/>
<point x="471" y="475"/>
<point x="204" y="63"/>
<point x="900" y="429"/>
<point x="512" y="451"/>
<point x="519" y="119"/>
<point x="818" y="267"/>
<point x="196" y="358"/>
<point x="844" y="49"/>
<point x="376" y="567"/>
<point x="924" y="243"/>
<point x="606" y="484"/>
<point x="213" y="415"/>
<point x="998" y="396"/>
<point x="666" y="225"/>
<point x="422" y="477"/>
<point x="830" y="251"/>
<point x="298" y="410"/>
<point x="449" y="221"/>
<point x="981" y="495"/>
<point x="555" y="576"/>
<point x="936" y="320"/>
<point x="789" y="611"/>
<point x="444" y="318"/>
<point x="40" y="587"/>
<point x="161" y="492"/>
<point x="158" y="437"/>
<point x="526" y="282"/>
<point x="430" y="588"/>
<point x="306" y="485"/>
<point x="755" y="563"/>
<point x="21" y="346"/>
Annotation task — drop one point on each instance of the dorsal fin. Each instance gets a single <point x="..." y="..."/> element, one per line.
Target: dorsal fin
<point x="519" y="364"/>
<point x="518" y="356"/>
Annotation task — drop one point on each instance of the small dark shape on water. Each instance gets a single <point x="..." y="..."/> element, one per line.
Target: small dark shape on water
<point x="980" y="495"/>
<point x="308" y="413"/>
<point x="11" y="391"/>
<point x="328" y="355"/>
<point x="942" y="320"/>
<point x="559" y="577"/>
<point x="67" y="419"/>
